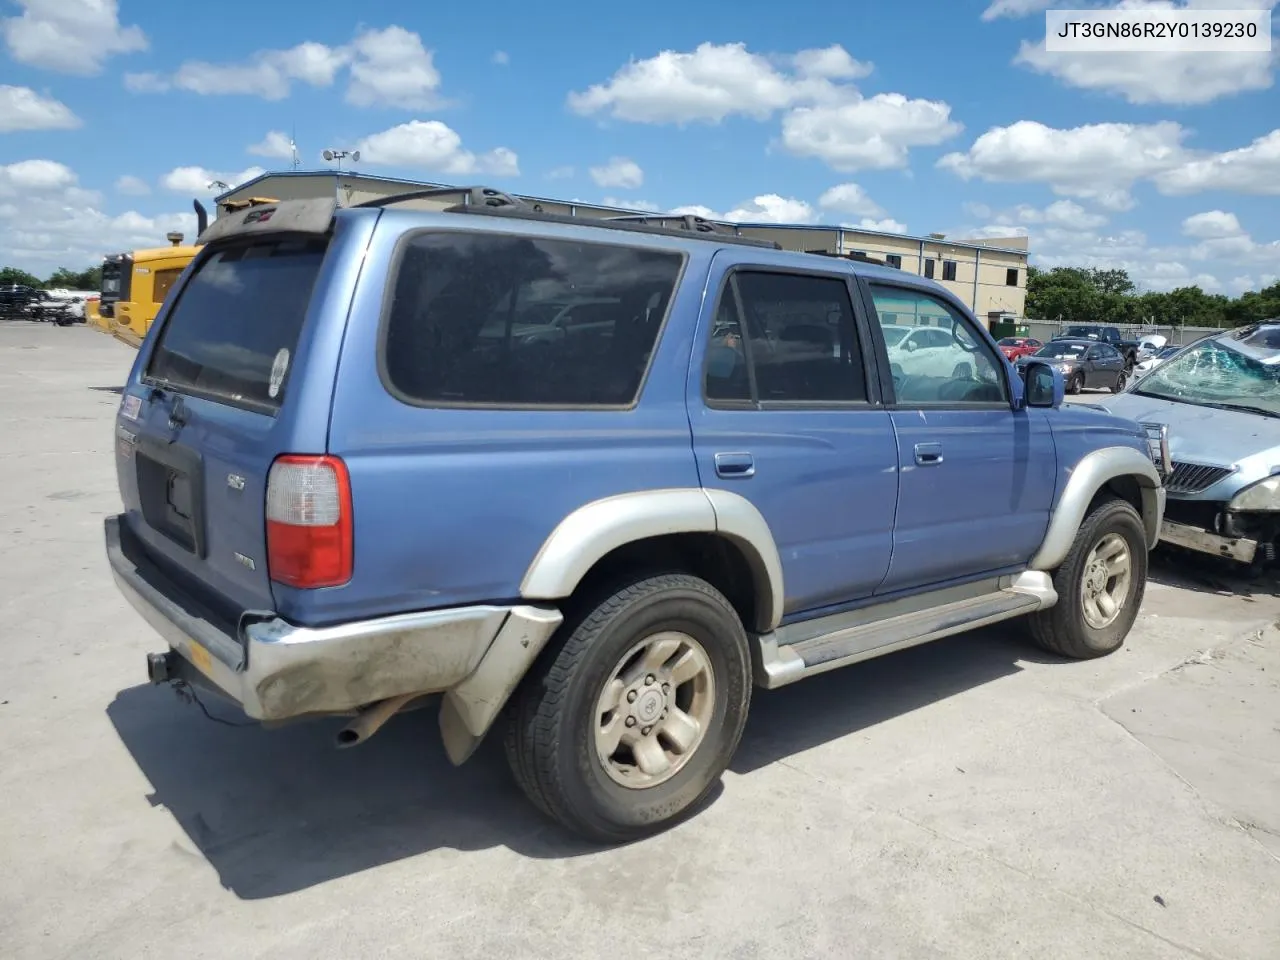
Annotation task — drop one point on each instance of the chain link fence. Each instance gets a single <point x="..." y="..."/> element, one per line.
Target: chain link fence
<point x="1174" y="336"/>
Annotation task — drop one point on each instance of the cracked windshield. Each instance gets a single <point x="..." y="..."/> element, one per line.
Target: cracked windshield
<point x="1233" y="373"/>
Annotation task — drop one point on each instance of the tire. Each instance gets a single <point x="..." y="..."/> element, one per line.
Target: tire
<point x="1076" y="384"/>
<point x="1120" y="382"/>
<point x="1065" y="628"/>
<point x="552" y="721"/>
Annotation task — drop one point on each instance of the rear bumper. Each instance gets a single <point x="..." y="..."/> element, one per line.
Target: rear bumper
<point x="1204" y="541"/>
<point x="276" y="670"/>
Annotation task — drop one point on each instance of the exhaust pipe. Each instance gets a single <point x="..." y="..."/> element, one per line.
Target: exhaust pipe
<point x="370" y="720"/>
<point x="202" y="217"/>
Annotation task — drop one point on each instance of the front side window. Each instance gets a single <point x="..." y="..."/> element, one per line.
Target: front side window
<point x="781" y="337"/>
<point x="495" y="319"/>
<point x="943" y="360"/>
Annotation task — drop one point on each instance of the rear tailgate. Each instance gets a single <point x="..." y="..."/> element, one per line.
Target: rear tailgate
<point x="217" y="394"/>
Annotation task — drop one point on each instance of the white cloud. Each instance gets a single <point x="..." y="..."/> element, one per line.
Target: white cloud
<point x="387" y="67"/>
<point x="1211" y="225"/>
<point x="1098" y="162"/>
<point x="1252" y="169"/>
<point x="391" y="67"/>
<point x="196" y="180"/>
<point x="432" y="145"/>
<point x="850" y="198"/>
<point x="1015" y="8"/>
<point x="47" y="220"/>
<point x="132" y="186"/>
<point x="830" y="63"/>
<point x="765" y="208"/>
<point x="21" y="108"/>
<point x="887" y="225"/>
<point x="269" y="74"/>
<point x="715" y="81"/>
<point x="561" y="173"/>
<point x="619" y="172"/>
<point x="500" y="57"/>
<point x="69" y="36"/>
<point x="1066" y="214"/>
<point x="874" y="133"/>
<point x="642" y="206"/>
<point x="275" y="144"/>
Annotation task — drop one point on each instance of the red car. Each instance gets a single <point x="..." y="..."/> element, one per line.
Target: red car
<point x="1015" y="347"/>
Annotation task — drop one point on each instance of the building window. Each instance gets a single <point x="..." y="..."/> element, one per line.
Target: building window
<point x="893" y="260"/>
<point x="859" y="253"/>
<point x="948" y="269"/>
<point x="928" y="268"/>
<point x="1011" y="277"/>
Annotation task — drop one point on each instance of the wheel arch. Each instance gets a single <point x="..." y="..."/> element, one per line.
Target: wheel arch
<point x="603" y="529"/>
<point x="1119" y="471"/>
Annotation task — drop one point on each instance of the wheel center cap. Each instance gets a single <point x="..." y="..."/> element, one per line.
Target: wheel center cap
<point x="1097" y="579"/>
<point x="648" y="707"/>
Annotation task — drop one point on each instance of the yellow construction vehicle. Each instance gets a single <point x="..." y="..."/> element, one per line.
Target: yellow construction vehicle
<point x="134" y="285"/>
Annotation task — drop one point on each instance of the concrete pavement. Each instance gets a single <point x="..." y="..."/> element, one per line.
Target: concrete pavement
<point x="971" y="798"/>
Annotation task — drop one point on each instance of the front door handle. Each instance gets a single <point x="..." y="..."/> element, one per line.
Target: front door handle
<point x="928" y="454"/>
<point x="735" y="466"/>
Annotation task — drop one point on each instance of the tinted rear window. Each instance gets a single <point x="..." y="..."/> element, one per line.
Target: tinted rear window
<point x="524" y="321"/>
<point x="232" y="333"/>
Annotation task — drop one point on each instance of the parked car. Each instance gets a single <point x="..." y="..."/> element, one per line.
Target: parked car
<point x="1220" y="399"/>
<point x="20" y="302"/>
<point x="1158" y="357"/>
<point x="1104" y="334"/>
<point x="340" y="498"/>
<point x="1015" y="347"/>
<point x="1150" y="344"/>
<point x="1083" y="364"/>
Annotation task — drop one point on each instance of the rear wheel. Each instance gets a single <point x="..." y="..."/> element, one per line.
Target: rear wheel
<point x="631" y="717"/>
<point x="1100" y="585"/>
<point x="1121" y="379"/>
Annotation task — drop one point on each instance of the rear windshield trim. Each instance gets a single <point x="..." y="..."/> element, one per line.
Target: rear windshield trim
<point x="389" y="294"/>
<point x="250" y="404"/>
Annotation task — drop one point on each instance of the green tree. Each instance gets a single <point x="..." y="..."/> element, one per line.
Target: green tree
<point x="90" y="279"/>
<point x="10" y="275"/>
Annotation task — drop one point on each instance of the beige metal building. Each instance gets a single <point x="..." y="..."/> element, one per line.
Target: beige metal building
<point x="989" y="275"/>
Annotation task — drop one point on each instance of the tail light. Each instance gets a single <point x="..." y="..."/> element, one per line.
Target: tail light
<point x="309" y="541"/>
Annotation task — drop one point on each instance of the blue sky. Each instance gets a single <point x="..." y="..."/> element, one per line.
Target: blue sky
<point x="932" y="116"/>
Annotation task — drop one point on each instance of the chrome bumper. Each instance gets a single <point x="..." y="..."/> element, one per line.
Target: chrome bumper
<point x="277" y="671"/>
<point x="1194" y="538"/>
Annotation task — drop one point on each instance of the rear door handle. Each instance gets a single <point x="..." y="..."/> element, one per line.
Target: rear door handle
<point x="928" y="454"/>
<point x="735" y="465"/>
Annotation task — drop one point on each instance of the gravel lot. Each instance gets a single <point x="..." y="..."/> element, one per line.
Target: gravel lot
<point x="972" y="798"/>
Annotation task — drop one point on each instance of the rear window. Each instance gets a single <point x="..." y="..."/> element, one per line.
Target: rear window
<point x="234" y="329"/>
<point x="522" y="321"/>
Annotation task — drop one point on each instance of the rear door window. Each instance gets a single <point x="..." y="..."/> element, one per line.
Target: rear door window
<point x="233" y="331"/>
<point x="496" y="319"/>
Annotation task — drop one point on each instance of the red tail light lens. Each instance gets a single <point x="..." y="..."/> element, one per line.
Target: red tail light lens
<point x="309" y="541"/>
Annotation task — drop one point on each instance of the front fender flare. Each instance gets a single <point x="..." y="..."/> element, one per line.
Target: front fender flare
<point x="1094" y="471"/>
<point x="594" y="530"/>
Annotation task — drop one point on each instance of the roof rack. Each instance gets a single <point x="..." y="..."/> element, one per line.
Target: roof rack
<point x="858" y="256"/>
<point x="490" y="202"/>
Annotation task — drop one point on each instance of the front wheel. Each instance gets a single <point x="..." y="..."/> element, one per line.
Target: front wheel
<point x="1100" y="585"/>
<point x="633" y="714"/>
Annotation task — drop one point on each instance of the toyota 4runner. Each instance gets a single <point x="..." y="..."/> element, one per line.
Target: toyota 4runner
<point x="590" y="482"/>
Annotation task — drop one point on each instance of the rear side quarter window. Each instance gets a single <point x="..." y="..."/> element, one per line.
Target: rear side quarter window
<point x="478" y="319"/>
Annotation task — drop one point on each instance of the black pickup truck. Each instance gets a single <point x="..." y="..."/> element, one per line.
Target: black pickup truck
<point x="1111" y="335"/>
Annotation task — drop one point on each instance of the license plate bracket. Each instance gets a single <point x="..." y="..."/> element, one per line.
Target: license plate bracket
<point x="171" y="492"/>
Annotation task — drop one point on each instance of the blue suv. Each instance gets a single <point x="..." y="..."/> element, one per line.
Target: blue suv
<point x="591" y="482"/>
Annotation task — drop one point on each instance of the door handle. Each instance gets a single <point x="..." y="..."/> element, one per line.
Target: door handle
<point x="928" y="454"/>
<point x="735" y="465"/>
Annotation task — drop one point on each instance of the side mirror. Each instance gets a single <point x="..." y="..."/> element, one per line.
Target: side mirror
<point x="1044" y="385"/>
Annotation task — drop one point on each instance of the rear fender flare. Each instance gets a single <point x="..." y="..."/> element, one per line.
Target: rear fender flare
<point x="594" y="530"/>
<point x="1094" y="471"/>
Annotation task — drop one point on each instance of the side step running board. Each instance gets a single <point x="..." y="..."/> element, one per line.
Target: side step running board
<point x="811" y="647"/>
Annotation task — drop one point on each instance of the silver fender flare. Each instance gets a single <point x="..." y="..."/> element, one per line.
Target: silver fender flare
<point x="598" y="528"/>
<point x="1088" y="477"/>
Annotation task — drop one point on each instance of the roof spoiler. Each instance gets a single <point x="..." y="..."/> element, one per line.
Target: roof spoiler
<point x="287" y="216"/>
<point x="468" y="197"/>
